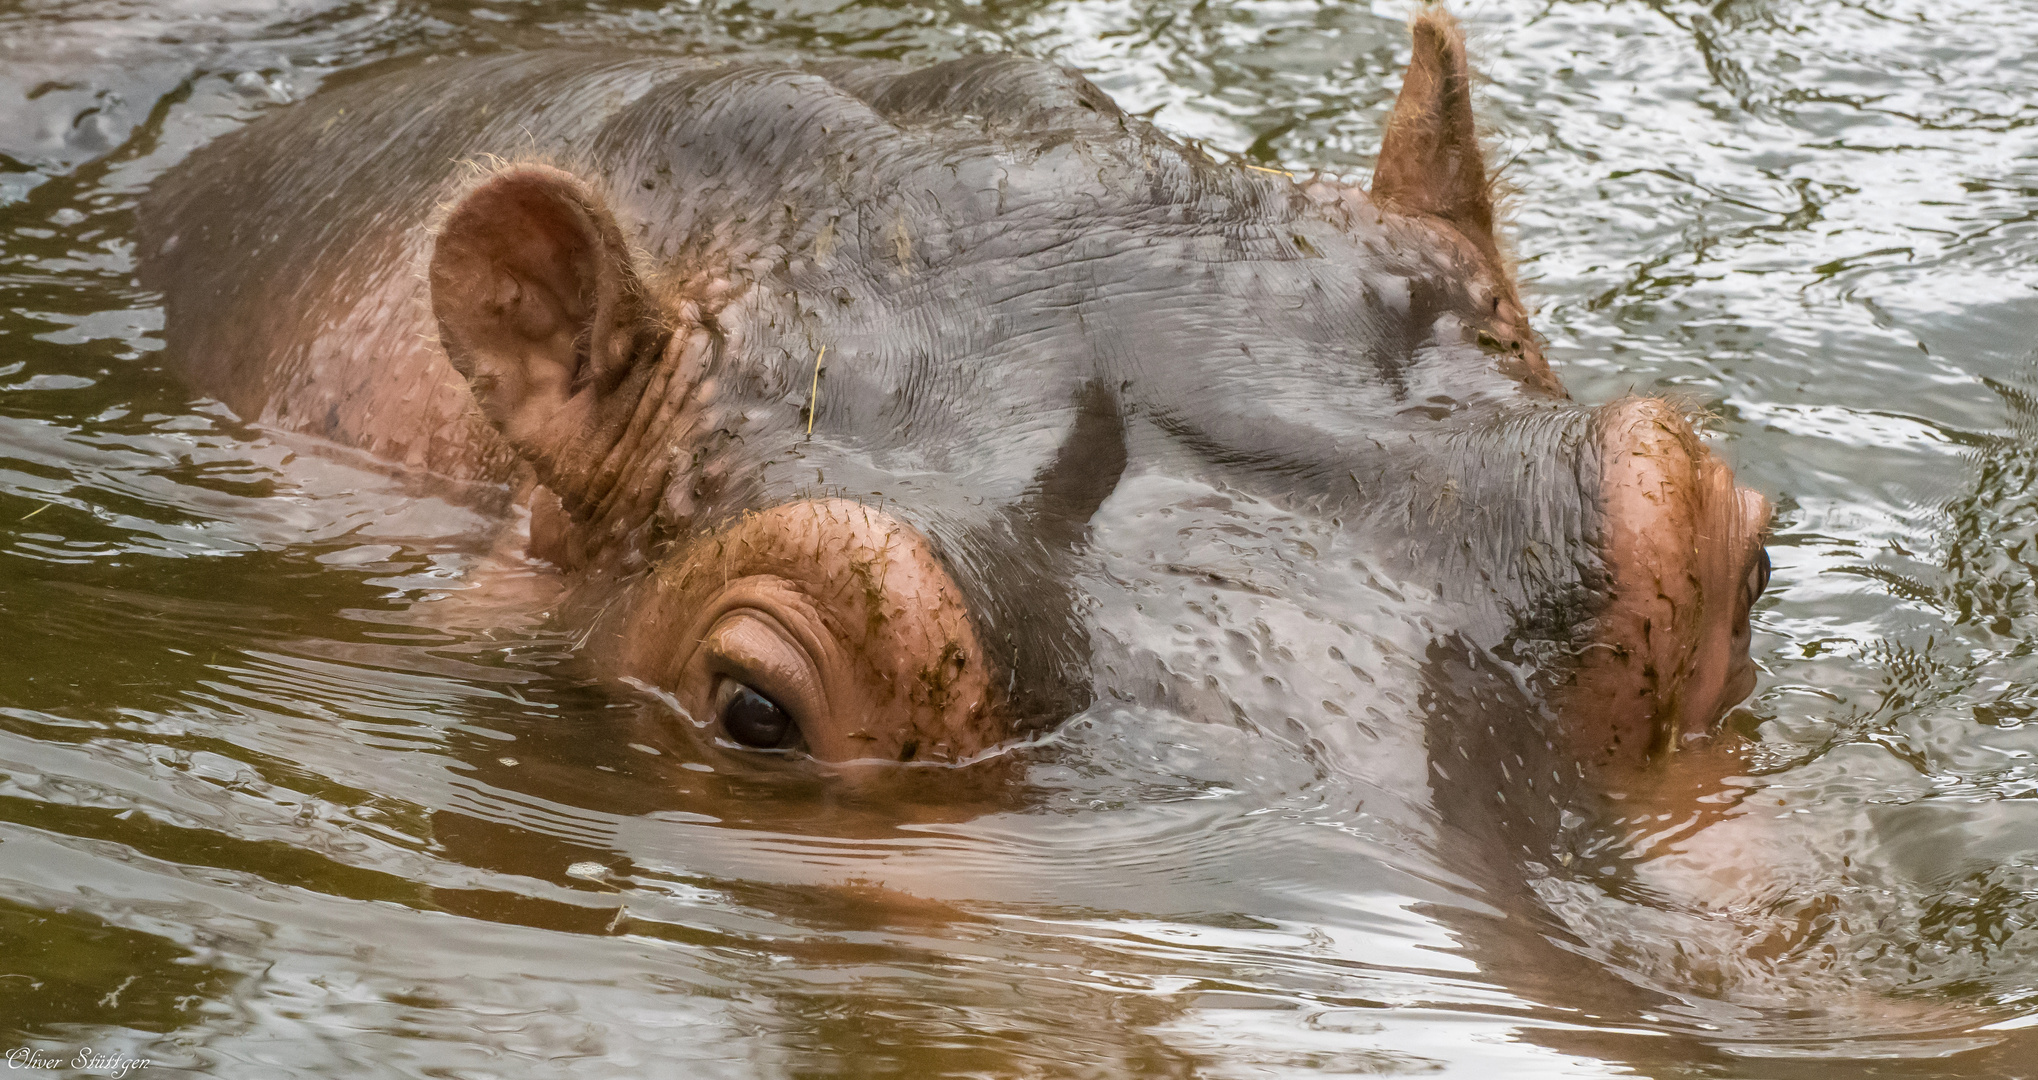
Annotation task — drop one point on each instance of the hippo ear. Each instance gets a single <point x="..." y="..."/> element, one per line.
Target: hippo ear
<point x="1430" y="161"/>
<point x="536" y="301"/>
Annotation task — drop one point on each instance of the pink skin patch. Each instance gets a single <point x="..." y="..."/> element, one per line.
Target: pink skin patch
<point x="1684" y="548"/>
<point x="837" y="614"/>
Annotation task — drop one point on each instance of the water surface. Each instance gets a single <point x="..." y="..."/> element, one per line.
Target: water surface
<point x="296" y="779"/>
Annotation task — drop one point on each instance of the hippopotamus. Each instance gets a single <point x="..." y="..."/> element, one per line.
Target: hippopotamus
<point x="815" y="375"/>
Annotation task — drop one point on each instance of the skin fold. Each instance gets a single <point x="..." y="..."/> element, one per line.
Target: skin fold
<point x="814" y="374"/>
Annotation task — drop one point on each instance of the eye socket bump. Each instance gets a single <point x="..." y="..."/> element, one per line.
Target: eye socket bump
<point x="1758" y="575"/>
<point x="751" y="719"/>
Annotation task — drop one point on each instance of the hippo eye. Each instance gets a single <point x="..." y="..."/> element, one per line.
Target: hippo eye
<point x="754" y="720"/>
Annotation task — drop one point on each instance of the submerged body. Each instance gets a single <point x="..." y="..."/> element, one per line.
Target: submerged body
<point x="828" y="383"/>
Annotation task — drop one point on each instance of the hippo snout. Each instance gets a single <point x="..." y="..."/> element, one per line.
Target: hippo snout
<point x="1683" y="550"/>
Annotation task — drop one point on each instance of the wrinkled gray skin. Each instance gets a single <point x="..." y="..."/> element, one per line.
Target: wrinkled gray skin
<point x="1031" y="303"/>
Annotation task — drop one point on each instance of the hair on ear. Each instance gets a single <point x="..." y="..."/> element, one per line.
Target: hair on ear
<point x="535" y="294"/>
<point x="1430" y="159"/>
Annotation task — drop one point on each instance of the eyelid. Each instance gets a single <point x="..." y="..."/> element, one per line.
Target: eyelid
<point x="750" y="647"/>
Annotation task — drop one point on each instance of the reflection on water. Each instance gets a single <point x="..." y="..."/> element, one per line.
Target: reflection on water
<point x="297" y="779"/>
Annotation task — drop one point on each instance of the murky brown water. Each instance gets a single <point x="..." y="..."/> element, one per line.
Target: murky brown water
<point x="278" y="798"/>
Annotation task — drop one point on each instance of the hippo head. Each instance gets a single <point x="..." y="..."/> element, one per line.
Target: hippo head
<point x="992" y="291"/>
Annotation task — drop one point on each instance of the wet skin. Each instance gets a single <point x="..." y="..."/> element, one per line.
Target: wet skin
<point x="814" y="375"/>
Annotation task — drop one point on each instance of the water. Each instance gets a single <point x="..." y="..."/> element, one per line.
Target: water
<point x="297" y="780"/>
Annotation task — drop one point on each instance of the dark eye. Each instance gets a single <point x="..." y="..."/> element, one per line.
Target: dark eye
<point x="756" y="721"/>
<point x="1758" y="575"/>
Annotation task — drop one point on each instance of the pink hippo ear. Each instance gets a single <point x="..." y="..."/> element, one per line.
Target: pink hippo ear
<point x="536" y="302"/>
<point x="1430" y="161"/>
